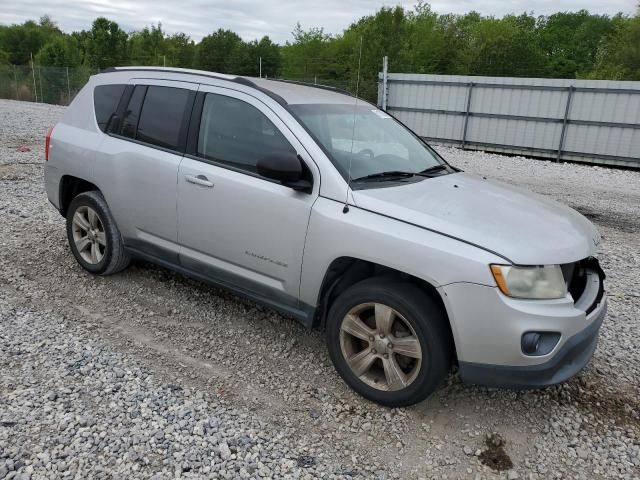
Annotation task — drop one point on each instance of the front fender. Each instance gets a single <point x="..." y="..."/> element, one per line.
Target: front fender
<point x="430" y="256"/>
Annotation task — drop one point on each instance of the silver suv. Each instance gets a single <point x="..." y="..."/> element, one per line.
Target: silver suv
<point x="329" y="210"/>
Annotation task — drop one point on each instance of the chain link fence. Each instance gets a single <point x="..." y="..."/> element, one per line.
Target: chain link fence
<point x="57" y="85"/>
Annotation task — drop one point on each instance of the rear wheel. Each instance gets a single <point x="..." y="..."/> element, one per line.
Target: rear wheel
<point x="388" y="340"/>
<point x="93" y="235"/>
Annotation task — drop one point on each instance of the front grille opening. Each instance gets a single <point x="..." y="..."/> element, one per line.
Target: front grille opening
<point x="576" y="276"/>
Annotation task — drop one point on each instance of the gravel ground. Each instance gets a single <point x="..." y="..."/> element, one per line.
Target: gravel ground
<point x="147" y="374"/>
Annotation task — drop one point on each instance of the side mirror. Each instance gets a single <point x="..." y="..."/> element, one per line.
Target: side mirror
<point x="285" y="168"/>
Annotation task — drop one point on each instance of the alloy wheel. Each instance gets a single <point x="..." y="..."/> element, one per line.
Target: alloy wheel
<point x="380" y="346"/>
<point x="89" y="235"/>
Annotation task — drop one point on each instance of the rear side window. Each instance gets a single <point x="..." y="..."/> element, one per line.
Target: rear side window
<point x="162" y="116"/>
<point x="105" y="102"/>
<point x="234" y="132"/>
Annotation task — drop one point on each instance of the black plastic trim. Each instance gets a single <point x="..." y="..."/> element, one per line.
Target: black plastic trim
<point x="186" y="120"/>
<point x="268" y="297"/>
<point x="194" y="125"/>
<point x="570" y="359"/>
<point x="150" y="249"/>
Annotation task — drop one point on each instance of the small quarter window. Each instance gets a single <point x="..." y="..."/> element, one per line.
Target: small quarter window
<point x="105" y="102"/>
<point x="234" y="132"/>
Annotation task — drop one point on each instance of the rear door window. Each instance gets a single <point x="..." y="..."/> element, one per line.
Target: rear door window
<point x="156" y="115"/>
<point x="105" y="102"/>
<point x="162" y="116"/>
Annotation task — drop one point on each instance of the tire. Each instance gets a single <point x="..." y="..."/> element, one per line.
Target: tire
<point x="95" y="239"/>
<point x="394" y="380"/>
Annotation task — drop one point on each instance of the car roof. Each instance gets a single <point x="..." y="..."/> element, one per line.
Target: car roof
<point x="284" y="91"/>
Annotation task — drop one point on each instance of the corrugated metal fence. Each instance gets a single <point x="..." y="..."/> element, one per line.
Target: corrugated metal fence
<point x="595" y="121"/>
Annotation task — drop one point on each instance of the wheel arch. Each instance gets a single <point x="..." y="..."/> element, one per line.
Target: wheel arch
<point x="70" y="187"/>
<point x="344" y="272"/>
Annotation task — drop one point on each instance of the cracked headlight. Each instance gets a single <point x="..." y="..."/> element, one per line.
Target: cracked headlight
<point x="538" y="282"/>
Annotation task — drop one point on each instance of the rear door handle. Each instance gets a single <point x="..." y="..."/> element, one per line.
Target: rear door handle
<point x="199" y="180"/>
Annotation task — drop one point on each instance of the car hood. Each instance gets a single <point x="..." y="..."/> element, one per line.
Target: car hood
<point x="523" y="227"/>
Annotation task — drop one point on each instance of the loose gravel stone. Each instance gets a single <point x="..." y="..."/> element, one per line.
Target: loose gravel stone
<point x="147" y="374"/>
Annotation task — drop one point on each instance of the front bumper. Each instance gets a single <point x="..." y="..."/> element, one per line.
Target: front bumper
<point x="568" y="361"/>
<point x="488" y="327"/>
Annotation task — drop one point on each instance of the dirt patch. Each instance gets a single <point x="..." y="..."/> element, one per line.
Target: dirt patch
<point x="495" y="456"/>
<point x="588" y="394"/>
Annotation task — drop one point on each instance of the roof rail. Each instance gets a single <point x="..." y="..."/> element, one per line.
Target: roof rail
<point x="219" y="76"/>
<point x="313" y="85"/>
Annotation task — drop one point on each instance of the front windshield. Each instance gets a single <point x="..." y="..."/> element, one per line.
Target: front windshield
<point x="378" y="144"/>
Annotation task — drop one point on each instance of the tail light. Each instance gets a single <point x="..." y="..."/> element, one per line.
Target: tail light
<point x="47" y="143"/>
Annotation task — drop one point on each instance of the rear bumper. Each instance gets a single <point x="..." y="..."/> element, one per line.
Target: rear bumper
<point x="568" y="360"/>
<point x="52" y="184"/>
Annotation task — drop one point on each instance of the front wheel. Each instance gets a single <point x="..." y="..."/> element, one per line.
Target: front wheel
<point x="388" y="340"/>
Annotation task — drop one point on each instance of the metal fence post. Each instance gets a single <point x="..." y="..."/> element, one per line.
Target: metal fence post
<point x="385" y="82"/>
<point x="68" y="88"/>
<point x="40" y="78"/>
<point x="33" y="74"/>
<point x="466" y="115"/>
<point x="15" y="80"/>
<point x="564" y="122"/>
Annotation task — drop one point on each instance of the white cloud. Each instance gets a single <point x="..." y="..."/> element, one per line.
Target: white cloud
<point x="254" y="18"/>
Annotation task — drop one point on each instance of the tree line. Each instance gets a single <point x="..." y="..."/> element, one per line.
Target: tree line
<point x="563" y="45"/>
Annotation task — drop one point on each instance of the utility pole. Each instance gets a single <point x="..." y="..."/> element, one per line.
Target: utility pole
<point x="260" y="67"/>
<point x="164" y="60"/>
<point x="33" y="73"/>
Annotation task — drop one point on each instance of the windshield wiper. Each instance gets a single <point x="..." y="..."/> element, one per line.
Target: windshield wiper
<point x="433" y="169"/>
<point x="384" y="176"/>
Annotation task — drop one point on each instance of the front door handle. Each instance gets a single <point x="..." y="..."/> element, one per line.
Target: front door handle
<point x="199" y="180"/>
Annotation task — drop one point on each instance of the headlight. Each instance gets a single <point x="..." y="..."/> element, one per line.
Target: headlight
<point x="544" y="282"/>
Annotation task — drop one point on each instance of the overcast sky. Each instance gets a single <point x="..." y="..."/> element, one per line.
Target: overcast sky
<point x="252" y="19"/>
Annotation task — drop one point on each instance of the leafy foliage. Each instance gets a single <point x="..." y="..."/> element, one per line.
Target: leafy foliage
<point x="562" y="45"/>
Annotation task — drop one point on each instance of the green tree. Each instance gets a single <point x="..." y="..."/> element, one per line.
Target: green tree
<point x="106" y="44"/>
<point x="216" y="51"/>
<point x="180" y="50"/>
<point x="503" y="47"/>
<point x="307" y="57"/>
<point x="22" y="41"/>
<point x="58" y="70"/>
<point x="270" y="54"/>
<point x="618" y="57"/>
<point x="426" y="48"/>
<point x="570" y="40"/>
<point x="60" y="52"/>
<point x="147" y="47"/>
